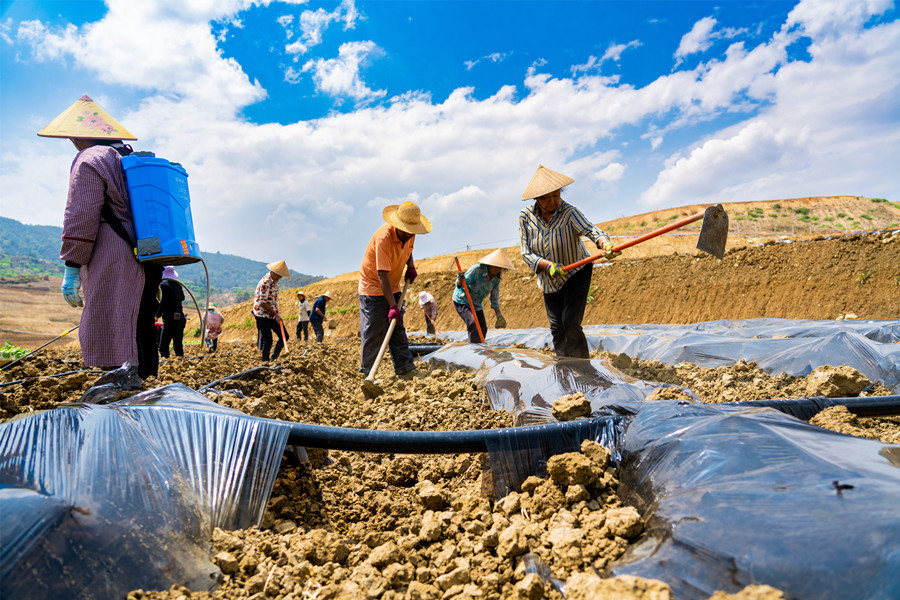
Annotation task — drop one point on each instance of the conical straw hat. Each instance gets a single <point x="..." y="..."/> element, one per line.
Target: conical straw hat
<point x="407" y="217"/>
<point x="85" y="120"/>
<point x="497" y="258"/>
<point x="545" y="181"/>
<point x="279" y="267"/>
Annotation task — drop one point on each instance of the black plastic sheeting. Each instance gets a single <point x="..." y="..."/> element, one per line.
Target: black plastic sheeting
<point x="526" y="383"/>
<point x="795" y="347"/>
<point x="751" y="496"/>
<point x="102" y="500"/>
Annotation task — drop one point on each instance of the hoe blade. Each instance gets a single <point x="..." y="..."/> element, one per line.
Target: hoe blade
<point x="714" y="231"/>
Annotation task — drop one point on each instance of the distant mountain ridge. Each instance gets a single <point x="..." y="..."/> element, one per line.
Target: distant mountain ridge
<point x="33" y="251"/>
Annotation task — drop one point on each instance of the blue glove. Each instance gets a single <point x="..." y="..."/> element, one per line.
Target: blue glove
<point x="71" y="287"/>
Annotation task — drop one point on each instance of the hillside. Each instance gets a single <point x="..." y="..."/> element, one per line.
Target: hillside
<point x="666" y="280"/>
<point x="30" y="252"/>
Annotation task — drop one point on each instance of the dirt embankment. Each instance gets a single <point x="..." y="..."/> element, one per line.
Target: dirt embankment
<point x="817" y="278"/>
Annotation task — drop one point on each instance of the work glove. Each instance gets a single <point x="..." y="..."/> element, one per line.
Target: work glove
<point x="500" y="323"/>
<point x="555" y="270"/>
<point x="608" y="254"/>
<point x="394" y="313"/>
<point x="71" y="286"/>
<point x="411" y="273"/>
<point x="460" y="278"/>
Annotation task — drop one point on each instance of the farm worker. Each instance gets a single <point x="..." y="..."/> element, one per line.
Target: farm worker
<point x="214" y="320"/>
<point x="318" y="315"/>
<point x="172" y="314"/>
<point x="483" y="280"/>
<point x="117" y="324"/>
<point x="302" y="316"/>
<point x="550" y="233"/>
<point x="429" y="307"/>
<point x="389" y="251"/>
<point x="265" y="310"/>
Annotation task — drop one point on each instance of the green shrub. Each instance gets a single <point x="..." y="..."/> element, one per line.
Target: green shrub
<point x="773" y="215"/>
<point x="776" y="206"/>
<point x="865" y="216"/>
<point x="841" y="215"/>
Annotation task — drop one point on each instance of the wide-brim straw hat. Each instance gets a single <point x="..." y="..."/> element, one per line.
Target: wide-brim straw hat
<point x="280" y="268"/>
<point x="497" y="258"/>
<point x="328" y="295"/>
<point x="545" y="181"/>
<point x="407" y="217"/>
<point x="211" y="307"/>
<point x="301" y="293"/>
<point x="85" y="120"/>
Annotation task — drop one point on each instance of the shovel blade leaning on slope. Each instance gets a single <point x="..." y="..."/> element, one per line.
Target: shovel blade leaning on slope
<point x="713" y="235"/>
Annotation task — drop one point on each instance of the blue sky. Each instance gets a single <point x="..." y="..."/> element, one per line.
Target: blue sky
<point x="299" y="121"/>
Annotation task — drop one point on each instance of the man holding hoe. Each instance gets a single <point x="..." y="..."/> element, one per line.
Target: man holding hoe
<point x="388" y="252"/>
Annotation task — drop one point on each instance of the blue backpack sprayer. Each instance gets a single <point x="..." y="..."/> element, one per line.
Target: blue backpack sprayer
<point x="161" y="210"/>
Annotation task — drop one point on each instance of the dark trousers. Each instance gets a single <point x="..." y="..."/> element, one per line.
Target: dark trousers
<point x="212" y="344"/>
<point x="264" y="329"/>
<point x="172" y="332"/>
<point x="565" y="311"/>
<point x="303" y="330"/>
<point x="148" y="356"/>
<point x="318" y="329"/>
<point x="466" y="314"/>
<point x="373" y="327"/>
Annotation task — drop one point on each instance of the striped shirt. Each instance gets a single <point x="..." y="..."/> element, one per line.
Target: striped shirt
<point x="480" y="286"/>
<point x="558" y="240"/>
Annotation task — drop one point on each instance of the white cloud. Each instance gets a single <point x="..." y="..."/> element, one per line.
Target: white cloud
<point x="494" y="57"/>
<point x="341" y="76"/>
<point x="701" y="37"/>
<point x="612" y="53"/>
<point x="313" y="23"/>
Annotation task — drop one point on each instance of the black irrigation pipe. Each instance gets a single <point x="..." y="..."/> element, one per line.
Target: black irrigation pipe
<point x="8" y="383"/>
<point x="806" y="408"/>
<point x="439" y="442"/>
<point x="419" y="349"/>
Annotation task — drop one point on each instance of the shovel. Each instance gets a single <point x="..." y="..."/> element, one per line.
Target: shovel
<point x="370" y="389"/>
<point x="427" y="316"/>
<point x="713" y="235"/>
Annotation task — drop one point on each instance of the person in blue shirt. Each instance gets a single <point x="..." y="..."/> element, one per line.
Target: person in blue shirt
<point x="482" y="280"/>
<point x="317" y="315"/>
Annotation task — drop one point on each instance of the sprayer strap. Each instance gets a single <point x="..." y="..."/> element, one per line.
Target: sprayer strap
<point x="113" y="221"/>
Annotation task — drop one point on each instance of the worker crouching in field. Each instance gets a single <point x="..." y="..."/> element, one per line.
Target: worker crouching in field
<point x="171" y="312"/>
<point x="429" y="307"/>
<point x="482" y="280"/>
<point x="550" y="235"/>
<point x="388" y="252"/>
<point x="265" y="310"/>
<point x="214" y="320"/>
<point x="117" y="324"/>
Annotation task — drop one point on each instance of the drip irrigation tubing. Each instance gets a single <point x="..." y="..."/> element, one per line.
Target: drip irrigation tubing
<point x="806" y="408"/>
<point x="8" y="383"/>
<point x="236" y="375"/>
<point x="439" y="442"/>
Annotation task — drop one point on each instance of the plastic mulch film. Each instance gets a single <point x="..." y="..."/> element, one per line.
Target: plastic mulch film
<point x="527" y="383"/>
<point x="513" y="460"/>
<point x="101" y="500"/>
<point x="735" y="496"/>
<point x="795" y="347"/>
